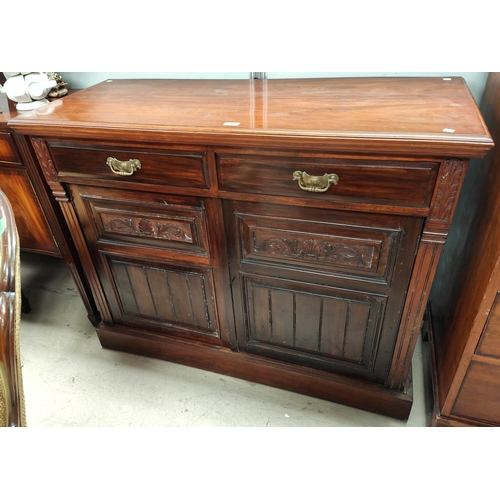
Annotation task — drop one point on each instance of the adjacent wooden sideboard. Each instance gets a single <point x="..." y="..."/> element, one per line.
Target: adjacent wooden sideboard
<point x="282" y="231"/>
<point x="465" y="301"/>
<point x="40" y="223"/>
<point x="25" y="188"/>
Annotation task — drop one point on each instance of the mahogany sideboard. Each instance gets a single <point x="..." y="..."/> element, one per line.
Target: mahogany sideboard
<point x="465" y="300"/>
<point x="39" y="220"/>
<point x="282" y="231"/>
<point x="22" y="182"/>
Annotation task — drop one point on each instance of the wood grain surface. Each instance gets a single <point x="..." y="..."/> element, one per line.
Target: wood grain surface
<point x="377" y="113"/>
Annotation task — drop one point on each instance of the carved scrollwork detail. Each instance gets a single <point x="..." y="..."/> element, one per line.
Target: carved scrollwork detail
<point x="139" y="226"/>
<point x="49" y="171"/>
<point x="312" y="249"/>
<point x="44" y="158"/>
<point x="447" y="190"/>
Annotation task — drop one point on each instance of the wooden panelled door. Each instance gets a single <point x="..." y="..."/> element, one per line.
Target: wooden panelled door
<point x="153" y="260"/>
<point x="319" y="288"/>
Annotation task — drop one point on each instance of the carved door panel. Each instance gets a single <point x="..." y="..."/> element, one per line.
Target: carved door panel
<point x="152" y="256"/>
<point x="317" y="287"/>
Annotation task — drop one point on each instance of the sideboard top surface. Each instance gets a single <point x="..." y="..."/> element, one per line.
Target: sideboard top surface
<point x="433" y="115"/>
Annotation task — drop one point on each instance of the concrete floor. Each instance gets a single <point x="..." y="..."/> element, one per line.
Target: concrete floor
<point x="71" y="381"/>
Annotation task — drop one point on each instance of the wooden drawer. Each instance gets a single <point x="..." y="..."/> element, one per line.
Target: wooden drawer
<point x="8" y="150"/>
<point x="186" y="169"/>
<point x="479" y="396"/>
<point x="368" y="181"/>
<point x="489" y="344"/>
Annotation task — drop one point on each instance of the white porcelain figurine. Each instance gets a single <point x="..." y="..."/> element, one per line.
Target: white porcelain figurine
<point x="28" y="90"/>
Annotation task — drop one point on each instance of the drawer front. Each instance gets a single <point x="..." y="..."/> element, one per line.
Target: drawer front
<point x="383" y="182"/>
<point x="479" y="396"/>
<point x="8" y="150"/>
<point x="489" y="344"/>
<point x="157" y="167"/>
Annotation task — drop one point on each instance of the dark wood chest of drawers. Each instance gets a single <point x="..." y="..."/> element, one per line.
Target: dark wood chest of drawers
<point x="286" y="232"/>
<point x="465" y="301"/>
<point x="22" y="182"/>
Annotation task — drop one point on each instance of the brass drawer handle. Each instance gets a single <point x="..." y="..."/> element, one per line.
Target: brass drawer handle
<point x="313" y="183"/>
<point x="123" y="167"/>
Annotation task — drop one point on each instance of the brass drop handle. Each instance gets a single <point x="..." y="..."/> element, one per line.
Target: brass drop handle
<point x="314" y="183"/>
<point x="123" y="167"/>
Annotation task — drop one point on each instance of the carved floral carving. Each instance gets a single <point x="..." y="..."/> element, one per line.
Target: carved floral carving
<point x="447" y="190"/>
<point x="44" y="158"/>
<point x="313" y="249"/>
<point x="139" y="226"/>
<point x="48" y="169"/>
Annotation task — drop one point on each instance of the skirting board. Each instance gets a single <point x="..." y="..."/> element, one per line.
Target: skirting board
<point x="331" y="387"/>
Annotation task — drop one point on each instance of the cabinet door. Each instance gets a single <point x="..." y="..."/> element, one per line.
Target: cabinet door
<point x="319" y="288"/>
<point x="153" y="258"/>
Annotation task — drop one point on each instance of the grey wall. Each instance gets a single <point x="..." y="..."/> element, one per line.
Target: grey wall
<point x="86" y="79"/>
<point x="475" y="81"/>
